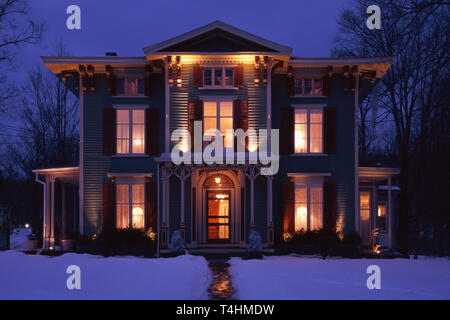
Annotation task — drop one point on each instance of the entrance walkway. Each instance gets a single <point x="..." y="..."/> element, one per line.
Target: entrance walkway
<point x="221" y="287"/>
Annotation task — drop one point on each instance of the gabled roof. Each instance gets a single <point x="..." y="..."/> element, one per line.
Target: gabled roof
<point x="220" y="28"/>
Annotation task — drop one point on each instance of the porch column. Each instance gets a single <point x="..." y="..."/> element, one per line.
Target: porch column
<point x="182" y="172"/>
<point x="165" y="211"/>
<point x="269" y="105"/>
<point x="49" y="235"/>
<point x="356" y="149"/>
<point x="269" y="212"/>
<point x="63" y="211"/>
<point x="391" y="221"/>
<point x="167" y="61"/>
<point x="252" y="172"/>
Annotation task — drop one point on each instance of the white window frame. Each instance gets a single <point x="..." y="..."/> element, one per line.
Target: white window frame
<point x="308" y="108"/>
<point x="130" y="128"/>
<point x="125" y="94"/>
<point x="312" y="94"/>
<point x="130" y="182"/>
<point x="213" y="86"/>
<point x="308" y="183"/>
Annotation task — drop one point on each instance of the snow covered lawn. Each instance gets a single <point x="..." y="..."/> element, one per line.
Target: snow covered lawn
<point x="42" y="277"/>
<point x="290" y="277"/>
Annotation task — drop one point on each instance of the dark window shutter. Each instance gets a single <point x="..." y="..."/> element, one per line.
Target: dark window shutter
<point x="287" y="130"/>
<point x="195" y="113"/>
<point x="109" y="131"/>
<point x="329" y="206"/>
<point x="148" y="82"/>
<point x="287" y="209"/>
<point x="326" y="85"/>
<point x="151" y="131"/>
<point x="240" y="118"/>
<point x="291" y="85"/>
<point x="329" y="121"/>
<point x="109" y="204"/>
<point x="239" y="77"/>
<point x="236" y="114"/>
<point x="151" y="217"/>
<point x="198" y="77"/>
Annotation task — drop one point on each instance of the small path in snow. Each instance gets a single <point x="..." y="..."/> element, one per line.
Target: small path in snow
<point x="221" y="287"/>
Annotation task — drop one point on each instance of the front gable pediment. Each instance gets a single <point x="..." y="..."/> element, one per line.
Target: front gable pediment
<point x="217" y="37"/>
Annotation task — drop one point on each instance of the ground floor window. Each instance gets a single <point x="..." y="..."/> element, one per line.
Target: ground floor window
<point x="381" y="216"/>
<point x="308" y="207"/>
<point x="130" y="206"/>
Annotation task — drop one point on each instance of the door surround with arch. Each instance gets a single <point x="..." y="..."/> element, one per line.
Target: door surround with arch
<point x="218" y="182"/>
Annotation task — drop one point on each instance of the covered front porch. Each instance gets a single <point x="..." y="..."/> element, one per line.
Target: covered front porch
<point x="60" y="204"/>
<point x="214" y="207"/>
<point x="377" y="196"/>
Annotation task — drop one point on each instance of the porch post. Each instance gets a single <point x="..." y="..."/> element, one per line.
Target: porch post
<point x="269" y="212"/>
<point x="269" y="105"/>
<point x="63" y="211"/>
<point x="49" y="229"/>
<point x="167" y="107"/>
<point x="165" y="213"/>
<point x="356" y="149"/>
<point x="252" y="204"/>
<point x="391" y="221"/>
<point x="182" y="227"/>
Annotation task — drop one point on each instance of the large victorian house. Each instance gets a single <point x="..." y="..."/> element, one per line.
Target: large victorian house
<point x="227" y="79"/>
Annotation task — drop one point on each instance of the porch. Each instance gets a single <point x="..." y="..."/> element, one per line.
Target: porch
<point x="214" y="207"/>
<point x="377" y="221"/>
<point x="60" y="205"/>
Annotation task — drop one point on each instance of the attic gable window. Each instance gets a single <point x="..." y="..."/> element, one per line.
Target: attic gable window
<point x="308" y="87"/>
<point x="220" y="77"/>
<point x="130" y="87"/>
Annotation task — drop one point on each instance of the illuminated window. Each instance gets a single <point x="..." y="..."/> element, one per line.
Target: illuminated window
<point x="308" y="87"/>
<point x="218" y="115"/>
<point x="308" y="130"/>
<point x="218" y="77"/>
<point x="381" y="216"/>
<point x="130" y="87"/>
<point x="130" y="131"/>
<point x="125" y="193"/>
<point x="308" y="207"/>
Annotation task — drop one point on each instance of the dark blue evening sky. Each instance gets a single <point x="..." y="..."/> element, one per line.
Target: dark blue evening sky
<point x="127" y="26"/>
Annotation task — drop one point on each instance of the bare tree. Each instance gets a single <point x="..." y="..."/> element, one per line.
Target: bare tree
<point x="16" y="30"/>
<point x="47" y="134"/>
<point x="417" y="36"/>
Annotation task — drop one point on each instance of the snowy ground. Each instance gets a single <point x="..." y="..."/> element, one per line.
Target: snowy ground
<point x="291" y="277"/>
<point x="42" y="277"/>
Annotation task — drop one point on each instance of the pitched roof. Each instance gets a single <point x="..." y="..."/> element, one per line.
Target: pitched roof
<point x="217" y="26"/>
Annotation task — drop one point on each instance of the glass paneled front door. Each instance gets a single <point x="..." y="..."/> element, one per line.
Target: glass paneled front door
<point x="218" y="209"/>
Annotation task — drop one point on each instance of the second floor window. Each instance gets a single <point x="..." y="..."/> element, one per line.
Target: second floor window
<point x="130" y="131"/>
<point x="130" y="87"/>
<point x="308" y="87"/>
<point x="308" y="130"/>
<point x="308" y="207"/>
<point x="218" y="115"/>
<point x="219" y="77"/>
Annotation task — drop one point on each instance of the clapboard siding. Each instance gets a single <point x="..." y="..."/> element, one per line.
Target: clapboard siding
<point x="96" y="166"/>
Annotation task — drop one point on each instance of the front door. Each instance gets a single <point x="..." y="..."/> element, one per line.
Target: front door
<point x="218" y="216"/>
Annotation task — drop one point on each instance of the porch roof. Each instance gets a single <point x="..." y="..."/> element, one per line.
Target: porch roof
<point x="376" y="174"/>
<point x="65" y="174"/>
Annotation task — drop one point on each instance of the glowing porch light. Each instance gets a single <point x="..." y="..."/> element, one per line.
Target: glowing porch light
<point x="252" y="147"/>
<point x="218" y="180"/>
<point x="220" y="196"/>
<point x="27" y="225"/>
<point x="137" y="211"/>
